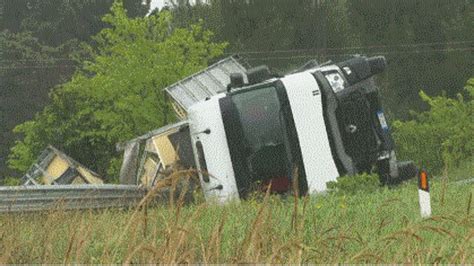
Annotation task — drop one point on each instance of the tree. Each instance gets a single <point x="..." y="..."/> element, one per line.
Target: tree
<point x="421" y="40"/>
<point x="38" y="39"/>
<point x="119" y="93"/>
<point x="57" y="21"/>
<point x="426" y="42"/>
<point x="441" y="136"/>
<point x="27" y="70"/>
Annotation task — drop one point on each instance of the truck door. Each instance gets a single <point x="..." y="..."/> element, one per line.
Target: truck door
<point x="306" y="104"/>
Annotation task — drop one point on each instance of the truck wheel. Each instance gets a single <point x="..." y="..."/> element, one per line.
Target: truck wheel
<point x="406" y="170"/>
<point x="383" y="169"/>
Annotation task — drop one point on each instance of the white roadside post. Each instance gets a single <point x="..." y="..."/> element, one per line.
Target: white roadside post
<point x="424" y="194"/>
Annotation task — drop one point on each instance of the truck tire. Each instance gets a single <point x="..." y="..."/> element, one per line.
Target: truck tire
<point x="407" y="170"/>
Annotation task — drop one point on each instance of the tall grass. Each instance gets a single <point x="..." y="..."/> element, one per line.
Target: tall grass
<point x="379" y="227"/>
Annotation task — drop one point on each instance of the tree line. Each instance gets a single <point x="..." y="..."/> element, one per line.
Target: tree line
<point x="41" y="45"/>
<point x="428" y="44"/>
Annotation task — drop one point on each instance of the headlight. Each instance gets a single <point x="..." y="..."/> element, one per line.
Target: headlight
<point x="336" y="81"/>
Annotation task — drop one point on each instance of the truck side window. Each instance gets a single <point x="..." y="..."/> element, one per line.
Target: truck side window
<point x="202" y="161"/>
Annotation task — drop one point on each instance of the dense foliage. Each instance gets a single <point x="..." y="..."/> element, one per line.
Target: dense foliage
<point x="118" y="93"/>
<point x="427" y="43"/>
<point x="40" y="48"/>
<point x="362" y="183"/>
<point x="383" y="226"/>
<point x="442" y="136"/>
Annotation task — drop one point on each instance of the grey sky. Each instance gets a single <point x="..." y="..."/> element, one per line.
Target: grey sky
<point x="157" y="3"/>
<point x="160" y="3"/>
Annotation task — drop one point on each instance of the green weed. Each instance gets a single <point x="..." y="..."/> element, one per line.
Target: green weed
<point x="378" y="226"/>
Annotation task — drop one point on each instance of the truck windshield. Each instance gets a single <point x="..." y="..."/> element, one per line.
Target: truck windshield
<point x="256" y="131"/>
<point x="258" y="112"/>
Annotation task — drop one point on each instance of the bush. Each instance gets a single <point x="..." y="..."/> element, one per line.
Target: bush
<point x="441" y="136"/>
<point x="11" y="181"/>
<point x="117" y="94"/>
<point x="354" y="184"/>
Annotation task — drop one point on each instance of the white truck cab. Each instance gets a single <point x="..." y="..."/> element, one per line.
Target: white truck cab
<point x="303" y="129"/>
<point x="260" y="134"/>
<point x="313" y="125"/>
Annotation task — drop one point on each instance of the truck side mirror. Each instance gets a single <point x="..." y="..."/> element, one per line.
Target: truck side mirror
<point x="360" y="68"/>
<point x="236" y="81"/>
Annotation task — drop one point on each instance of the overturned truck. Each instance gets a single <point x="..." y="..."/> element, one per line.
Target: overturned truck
<point x="244" y="129"/>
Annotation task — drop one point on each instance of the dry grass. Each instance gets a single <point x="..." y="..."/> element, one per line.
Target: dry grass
<point x="380" y="227"/>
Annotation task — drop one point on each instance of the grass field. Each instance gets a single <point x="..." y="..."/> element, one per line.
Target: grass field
<point x="379" y="227"/>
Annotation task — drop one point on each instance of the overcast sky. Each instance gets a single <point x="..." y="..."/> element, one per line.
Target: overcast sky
<point x="160" y="3"/>
<point x="157" y="3"/>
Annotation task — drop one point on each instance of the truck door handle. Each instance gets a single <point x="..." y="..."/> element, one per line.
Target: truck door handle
<point x="219" y="187"/>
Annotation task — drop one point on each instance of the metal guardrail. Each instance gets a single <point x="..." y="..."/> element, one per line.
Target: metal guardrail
<point x="68" y="197"/>
<point x="75" y="197"/>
